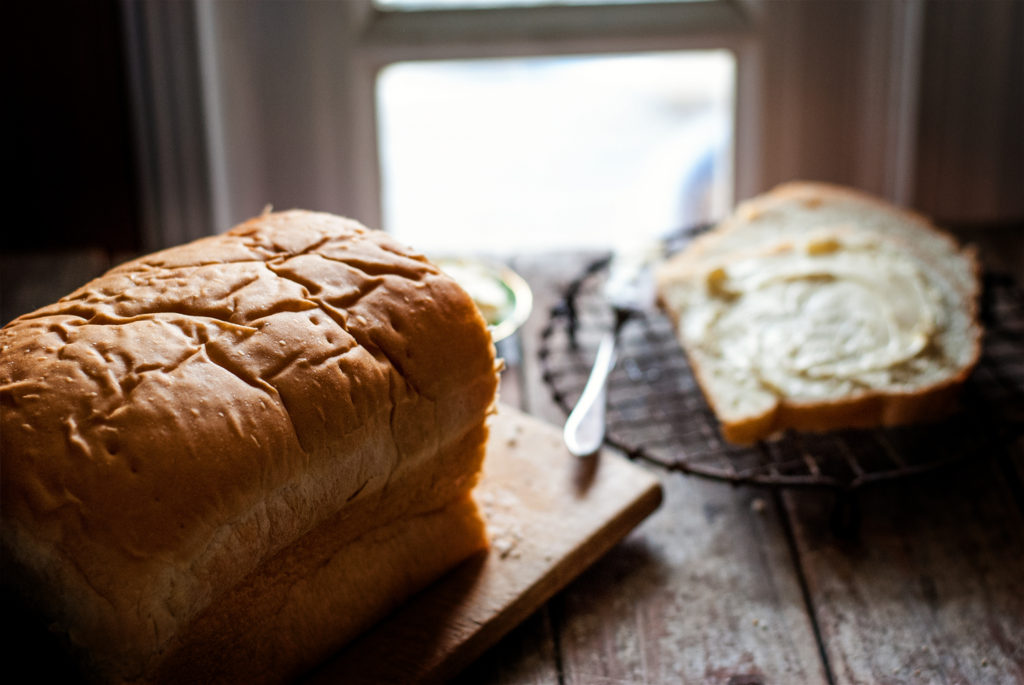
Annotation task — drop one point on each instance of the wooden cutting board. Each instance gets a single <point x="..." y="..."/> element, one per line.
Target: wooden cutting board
<point x="550" y="516"/>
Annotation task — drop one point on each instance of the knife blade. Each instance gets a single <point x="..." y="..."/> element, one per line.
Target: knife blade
<point x="629" y="291"/>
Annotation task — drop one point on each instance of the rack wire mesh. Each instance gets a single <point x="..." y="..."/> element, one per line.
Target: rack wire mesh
<point x="657" y="412"/>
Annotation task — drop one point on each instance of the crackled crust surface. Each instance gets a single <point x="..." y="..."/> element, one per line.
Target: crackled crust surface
<point x="173" y="424"/>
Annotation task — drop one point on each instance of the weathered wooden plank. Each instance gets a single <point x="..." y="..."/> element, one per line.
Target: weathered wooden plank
<point x="545" y="528"/>
<point x="526" y="656"/>
<point x="704" y="591"/>
<point x="932" y="589"/>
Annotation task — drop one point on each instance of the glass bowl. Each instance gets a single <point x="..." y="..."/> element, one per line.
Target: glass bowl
<point x="502" y="296"/>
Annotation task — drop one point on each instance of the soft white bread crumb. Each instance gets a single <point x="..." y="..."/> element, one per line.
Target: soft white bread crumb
<point x="816" y="307"/>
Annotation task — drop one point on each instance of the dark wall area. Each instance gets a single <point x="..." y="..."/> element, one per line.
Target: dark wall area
<point x="73" y="162"/>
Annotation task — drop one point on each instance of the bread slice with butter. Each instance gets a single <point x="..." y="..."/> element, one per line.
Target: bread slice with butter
<point x="815" y="307"/>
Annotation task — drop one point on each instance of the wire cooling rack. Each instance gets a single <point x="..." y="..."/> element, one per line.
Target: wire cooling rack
<point x="657" y="412"/>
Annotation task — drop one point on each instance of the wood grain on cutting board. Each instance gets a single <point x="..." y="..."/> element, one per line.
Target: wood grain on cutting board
<point x="549" y="517"/>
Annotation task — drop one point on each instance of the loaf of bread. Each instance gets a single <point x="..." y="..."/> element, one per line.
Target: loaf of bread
<point x="815" y="307"/>
<point x="224" y="460"/>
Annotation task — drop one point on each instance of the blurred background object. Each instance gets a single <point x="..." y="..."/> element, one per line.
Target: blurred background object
<point x="502" y="124"/>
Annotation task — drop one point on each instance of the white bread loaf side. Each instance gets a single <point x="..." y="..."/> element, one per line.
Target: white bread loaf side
<point x="816" y="307"/>
<point x="259" y="436"/>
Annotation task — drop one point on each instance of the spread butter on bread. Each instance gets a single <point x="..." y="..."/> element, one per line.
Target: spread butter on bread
<point x="815" y="307"/>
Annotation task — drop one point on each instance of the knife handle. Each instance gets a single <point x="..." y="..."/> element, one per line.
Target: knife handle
<point x="585" y="427"/>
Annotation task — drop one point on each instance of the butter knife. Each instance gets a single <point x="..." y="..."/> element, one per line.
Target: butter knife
<point x="629" y="291"/>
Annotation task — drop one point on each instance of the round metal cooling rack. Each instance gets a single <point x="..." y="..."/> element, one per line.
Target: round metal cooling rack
<point x="657" y="412"/>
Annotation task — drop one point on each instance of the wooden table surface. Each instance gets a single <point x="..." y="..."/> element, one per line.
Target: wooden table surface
<point x="741" y="585"/>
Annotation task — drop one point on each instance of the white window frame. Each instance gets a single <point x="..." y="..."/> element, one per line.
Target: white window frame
<point x="560" y="30"/>
<point x="288" y="90"/>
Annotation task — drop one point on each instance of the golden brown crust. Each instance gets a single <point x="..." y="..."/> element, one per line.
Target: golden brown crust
<point x="290" y="626"/>
<point x="173" y="424"/>
<point x="861" y="409"/>
<point x="865" y="410"/>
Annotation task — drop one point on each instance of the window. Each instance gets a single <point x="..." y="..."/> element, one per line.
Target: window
<point x="300" y="104"/>
<point x="276" y="102"/>
<point x="569" y="123"/>
<point x="514" y="154"/>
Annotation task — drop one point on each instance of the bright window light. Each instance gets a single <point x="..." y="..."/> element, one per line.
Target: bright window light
<point x="497" y="155"/>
